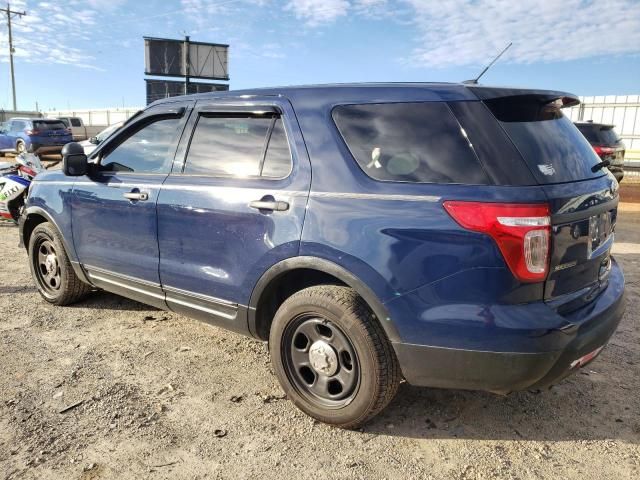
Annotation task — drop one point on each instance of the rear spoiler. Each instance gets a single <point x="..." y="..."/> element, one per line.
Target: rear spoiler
<point x="545" y="96"/>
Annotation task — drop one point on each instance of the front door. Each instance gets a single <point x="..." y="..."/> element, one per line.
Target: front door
<point x="234" y="208"/>
<point x="114" y="208"/>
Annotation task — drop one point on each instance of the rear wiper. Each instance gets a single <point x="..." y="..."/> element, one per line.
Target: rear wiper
<point x="600" y="166"/>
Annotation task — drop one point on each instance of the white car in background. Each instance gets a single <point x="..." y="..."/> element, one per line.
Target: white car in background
<point x="91" y="144"/>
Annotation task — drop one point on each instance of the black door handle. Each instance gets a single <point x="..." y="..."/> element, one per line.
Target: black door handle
<point x="273" y="205"/>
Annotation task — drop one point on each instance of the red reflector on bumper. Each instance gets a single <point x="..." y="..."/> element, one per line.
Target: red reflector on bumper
<point x="582" y="361"/>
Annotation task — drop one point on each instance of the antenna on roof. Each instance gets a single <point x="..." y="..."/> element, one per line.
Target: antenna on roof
<point x="475" y="80"/>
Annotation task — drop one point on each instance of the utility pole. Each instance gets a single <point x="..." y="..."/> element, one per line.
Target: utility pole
<point x="187" y="61"/>
<point x="10" y="12"/>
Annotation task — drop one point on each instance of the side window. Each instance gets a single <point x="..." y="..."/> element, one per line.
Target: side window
<point x="409" y="142"/>
<point x="75" y="122"/>
<point x="150" y="149"/>
<point x="277" y="161"/>
<point x="234" y="146"/>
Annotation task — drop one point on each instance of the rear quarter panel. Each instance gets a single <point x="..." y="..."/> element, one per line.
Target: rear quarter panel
<point x="397" y="237"/>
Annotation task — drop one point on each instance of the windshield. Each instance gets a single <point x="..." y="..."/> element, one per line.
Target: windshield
<point x="551" y="145"/>
<point x="599" y="134"/>
<point x="108" y="131"/>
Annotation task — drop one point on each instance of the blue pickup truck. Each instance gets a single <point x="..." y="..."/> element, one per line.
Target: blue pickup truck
<point x="456" y="236"/>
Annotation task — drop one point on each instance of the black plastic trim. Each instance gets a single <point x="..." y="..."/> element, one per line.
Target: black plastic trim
<point x="324" y="266"/>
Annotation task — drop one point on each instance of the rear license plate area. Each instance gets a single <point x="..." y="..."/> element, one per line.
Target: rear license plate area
<point x="600" y="229"/>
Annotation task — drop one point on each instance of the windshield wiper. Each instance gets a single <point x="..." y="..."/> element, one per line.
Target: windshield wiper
<point x="600" y="166"/>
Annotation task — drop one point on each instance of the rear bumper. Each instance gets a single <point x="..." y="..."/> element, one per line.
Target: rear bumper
<point x="617" y="171"/>
<point x="46" y="149"/>
<point x="584" y="331"/>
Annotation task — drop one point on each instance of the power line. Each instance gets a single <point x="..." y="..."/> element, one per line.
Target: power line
<point x="8" y="12"/>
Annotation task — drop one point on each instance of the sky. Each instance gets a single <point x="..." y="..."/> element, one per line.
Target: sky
<point x="90" y="53"/>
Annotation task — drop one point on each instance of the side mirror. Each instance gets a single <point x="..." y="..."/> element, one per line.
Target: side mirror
<point x="94" y="140"/>
<point x="74" y="161"/>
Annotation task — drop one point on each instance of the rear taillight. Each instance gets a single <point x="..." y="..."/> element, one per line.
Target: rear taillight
<point x="522" y="232"/>
<point x="604" y="151"/>
<point x="34" y="131"/>
<point x="68" y="131"/>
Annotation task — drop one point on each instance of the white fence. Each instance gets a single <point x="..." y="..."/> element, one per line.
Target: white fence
<point x="622" y="111"/>
<point x="96" y="117"/>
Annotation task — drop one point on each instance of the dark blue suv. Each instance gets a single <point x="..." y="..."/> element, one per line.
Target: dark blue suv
<point x="458" y="236"/>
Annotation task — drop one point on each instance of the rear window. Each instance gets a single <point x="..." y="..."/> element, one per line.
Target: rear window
<point x="48" y="125"/>
<point x="75" y="122"/>
<point x="409" y="142"/>
<point x="551" y="145"/>
<point x="599" y="134"/>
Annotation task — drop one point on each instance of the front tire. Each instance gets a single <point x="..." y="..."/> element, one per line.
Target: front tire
<point x="51" y="269"/>
<point x="332" y="357"/>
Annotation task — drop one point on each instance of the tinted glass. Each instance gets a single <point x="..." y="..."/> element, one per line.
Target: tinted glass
<point x="277" y="162"/>
<point x="149" y="150"/>
<point x="48" y="125"/>
<point x="552" y="146"/>
<point x="227" y="146"/>
<point x="502" y="162"/>
<point x="75" y="122"/>
<point x="409" y="142"/>
<point x="599" y="134"/>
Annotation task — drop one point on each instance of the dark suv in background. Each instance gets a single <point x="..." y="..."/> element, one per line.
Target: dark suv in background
<point x="457" y="236"/>
<point x="606" y="143"/>
<point x="34" y="135"/>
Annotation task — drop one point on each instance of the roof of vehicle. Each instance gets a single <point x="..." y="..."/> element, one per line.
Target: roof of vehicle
<point x="595" y="124"/>
<point x="444" y="91"/>
<point x="31" y="119"/>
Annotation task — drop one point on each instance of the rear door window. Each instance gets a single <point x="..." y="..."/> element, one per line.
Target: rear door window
<point x="409" y="142"/>
<point x="239" y="145"/>
<point x="550" y="144"/>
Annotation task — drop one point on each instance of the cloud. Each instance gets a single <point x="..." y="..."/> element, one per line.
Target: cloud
<point x="318" y="12"/>
<point x="470" y="32"/>
<point x="50" y="33"/>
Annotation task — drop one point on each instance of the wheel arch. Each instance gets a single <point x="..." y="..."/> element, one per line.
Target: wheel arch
<point x="34" y="216"/>
<point x="265" y="299"/>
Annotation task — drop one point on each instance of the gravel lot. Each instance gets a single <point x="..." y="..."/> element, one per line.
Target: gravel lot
<point x="110" y="388"/>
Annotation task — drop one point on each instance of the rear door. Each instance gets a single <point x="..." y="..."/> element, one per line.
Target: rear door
<point x="232" y="207"/>
<point x="583" y="196"/>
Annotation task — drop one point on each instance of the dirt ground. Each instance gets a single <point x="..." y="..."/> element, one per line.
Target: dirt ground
<point x="112" y="389"/>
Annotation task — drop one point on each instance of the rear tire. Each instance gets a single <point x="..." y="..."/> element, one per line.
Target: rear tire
<point x="51" y="269"/>
<point x="332" y="357"/>
<point x="20" y="147"/>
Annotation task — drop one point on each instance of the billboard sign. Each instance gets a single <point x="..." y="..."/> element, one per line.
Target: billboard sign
<point x="182" y="58"/>
<point x="159" y="89"/>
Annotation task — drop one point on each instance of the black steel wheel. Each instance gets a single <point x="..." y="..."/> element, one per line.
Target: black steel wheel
<point x="332" y="357"/>
<point x="47" y="269"/>
<point x="320" y="360"/>
<point x="51" y="269"/>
